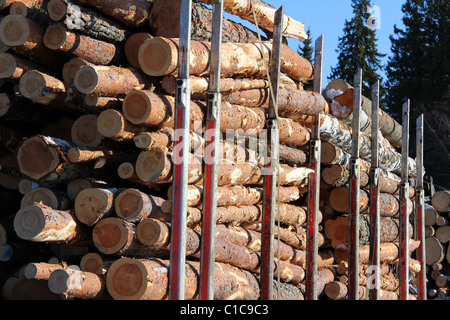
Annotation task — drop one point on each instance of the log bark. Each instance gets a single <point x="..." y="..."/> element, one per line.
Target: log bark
<point x="109" y="81"/>
<point x="390" y="128"/>
<point x="160" y="139"/>
<point x="72" y="283"/>
<point x="133" y="13"/>
<point x="93" y="204"/>
<point x="134" y="205"/>
<point x="116" y="237"/>
<point x="332" y="154"/>
<point x="164" y="21"/>
<point x="54" y="199"/>
<point x="41" y="270"/>
<point x="266" y="15"/>
<point x="229" y="282"/>
<point x="389" y="204"/>
<point x="71" y="43"/>
<point x="337" y="230"/>
<point x="246" y="59"/>
<point x="42" y="158"/>
<point x="237" y="195"/>
<point x="42" y="224"/>
<point x="441" y="201"/>
<point x="87" y="21"/>
<point x="26" y="38"/>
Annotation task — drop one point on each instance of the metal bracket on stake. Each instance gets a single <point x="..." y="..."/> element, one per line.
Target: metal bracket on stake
<point x="211" y="159"/>
<point x="404" y="217"/>
<point x="374" y="255"/>
<point x="270" y="177"/>
<point x="180" y="159"/>
<point x="354" y="207"/>
<point x="314" y="185"/>
<point x="420" y="213"/>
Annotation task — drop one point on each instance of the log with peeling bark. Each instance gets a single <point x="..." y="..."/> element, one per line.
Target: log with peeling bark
<point x="26" y="38"/>
<point x="265" y="16"/>
<point x="72" y="283"/>
<point x="41" y="223"/>
<point x="133" y="13"/>
<point x="337" y="230"/>
<point x="41" y="270"/>
<point x="93" y="204"/>
<point x="12" y="66"/>
<point x="134" y="205"/>
<point x="116" y="237"/>
<point x="390" y="128"/>
<point x="389" y="204"/>
<point x="55" y="199"/>
<point x="71" y="43"/>
<point x="164" y="21"/>
<point x="87" y="21"/>
<point x="109" y="80"/>
<point x="238" y="60"/>
<point x="238" y="195"/>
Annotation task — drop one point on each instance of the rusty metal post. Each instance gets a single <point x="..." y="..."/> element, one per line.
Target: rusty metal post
<point x="181" y="159"/>
<point x="420" y="213"/>
<point x="374" y="254"/>
<point x="404" y="217"/>
<point x="270" y="177"/>
<point x="314" y="185"/>
<point x="354" y="206"/>
<point x="211" y="160"/>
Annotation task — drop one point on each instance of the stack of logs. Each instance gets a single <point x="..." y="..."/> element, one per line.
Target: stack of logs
<point x="437" y="231"/>
<point x="86" y="170"/>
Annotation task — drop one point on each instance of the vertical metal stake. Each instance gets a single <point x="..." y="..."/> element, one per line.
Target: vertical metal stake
<point x="420" y="213"/>
<point x="314" y="185"/>
<point x="354" y="207"/>
<point x="211" y="159"/>
<point x="404" y="217"/>
<point x="374" y="255"/>
<point x="181" y="159"/>
<point x="270" y="178"/>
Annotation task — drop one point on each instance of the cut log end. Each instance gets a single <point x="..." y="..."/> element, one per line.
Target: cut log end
<point x="5" y="102"/>
<point x="91" y="204"/>
<point x="92" y="262"/>
<point x="156" y="56"/>
<point x="130" y="202"/>
<point x="441" y="201"/>
<point x="7" y="65"/>
<point x="149" y="232"/>
<point x="56" y="9"/>
<point x="126" y="170"/>
<point x="70" y="69"/>
<point x="35" y="159"/>
<point x="29" y="222"/>
<point x="31" y="84"/>
<point x="143" y="140"/>
<point x="84" y="131"/>
<point x="54" y="37"/>
<point x="40" y="195"/>
<point x="86" y="79"/>
<point x="14" y="30"/>
<point x="151" y="165"/>
<point x="110" y="123"/>
<point x="132" y="46"/>
<point x="18" y="8"/>
<point x="110" y="235"/>
<point x="126" y="279"/>
<point x="136" y="106"/>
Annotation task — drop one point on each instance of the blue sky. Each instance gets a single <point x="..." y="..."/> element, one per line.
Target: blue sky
<point x="328" y="17"/>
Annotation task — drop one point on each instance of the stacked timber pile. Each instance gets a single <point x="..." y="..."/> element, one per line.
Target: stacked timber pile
<point x="437" y="231"/>
<point x="87" y="133"/>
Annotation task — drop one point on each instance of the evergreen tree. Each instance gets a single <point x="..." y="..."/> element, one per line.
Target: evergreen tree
<point x="419" y="66"/>
<point x="306" y="50"/>
<point x="358" y="50"/>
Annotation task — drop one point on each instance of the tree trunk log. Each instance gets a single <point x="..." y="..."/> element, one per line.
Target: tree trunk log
<point x="134" y="205"/>
<point x="54" y="199"/>
<point x="164" y="21"/>
<point x="41" y="270"/>
<point x="246" y="58"/>
<point x="86" y="21"/>
<point x="266" y="16"/>
<point x="443" y="234"/>
<point x="12" y="66"/>
<point x="441" y="201"/>
<point x="109" y="81"/>
<point x="42" y="224"/>
<point x="113" y="125"/>
<point x="93" y="204"/>
<point x="70" y="69"/>
<point x="435" y="250"/>
<point x="70" y="43"/>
